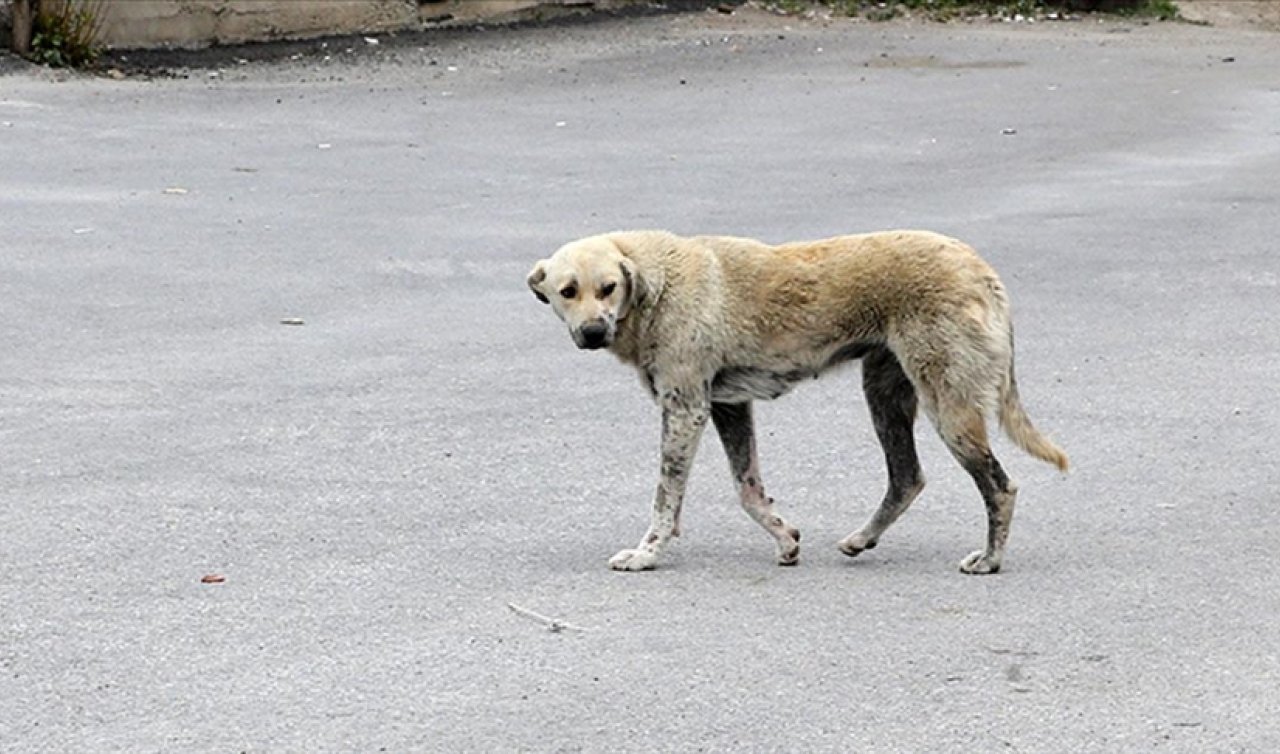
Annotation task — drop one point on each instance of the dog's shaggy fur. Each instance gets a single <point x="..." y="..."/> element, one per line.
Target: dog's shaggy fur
<point x="712" y="323"/>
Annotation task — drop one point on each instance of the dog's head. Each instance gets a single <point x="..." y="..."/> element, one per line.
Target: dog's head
<point x="591" y="286"/>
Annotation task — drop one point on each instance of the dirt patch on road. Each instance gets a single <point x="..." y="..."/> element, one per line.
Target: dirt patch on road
<point x="1257" y="14"/>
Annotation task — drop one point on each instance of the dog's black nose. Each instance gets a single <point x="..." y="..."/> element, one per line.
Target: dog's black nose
<point x="594" y="335"/>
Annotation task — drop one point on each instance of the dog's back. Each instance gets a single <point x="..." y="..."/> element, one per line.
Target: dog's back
<point x="822" y="296"/>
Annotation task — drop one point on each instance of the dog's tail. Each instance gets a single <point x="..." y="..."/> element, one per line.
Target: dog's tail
<point x="1017" y="425"/>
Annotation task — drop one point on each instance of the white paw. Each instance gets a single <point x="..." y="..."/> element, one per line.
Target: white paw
<point x="978" y="563"/>
<point x="633" y="560"/>
<point x="855" y="543"/>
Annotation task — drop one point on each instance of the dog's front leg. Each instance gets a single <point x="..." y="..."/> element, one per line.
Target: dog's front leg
<point x="684" y="415"/>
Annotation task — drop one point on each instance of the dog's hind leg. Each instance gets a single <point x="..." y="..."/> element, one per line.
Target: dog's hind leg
<point x="737" y="431"/>
<point x="684" y="415"/>
<point x="957" y="364"/>
<point x="892" y="401"/>
<point x="963" y="429"/>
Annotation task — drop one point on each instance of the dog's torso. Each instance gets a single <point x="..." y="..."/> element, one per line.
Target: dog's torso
<point x="753" y="320"/>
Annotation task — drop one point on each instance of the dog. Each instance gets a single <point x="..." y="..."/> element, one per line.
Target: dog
<point x="712" y="323"/>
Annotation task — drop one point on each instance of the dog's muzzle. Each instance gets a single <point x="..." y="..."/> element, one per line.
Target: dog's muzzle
<point x="593" y="335"/>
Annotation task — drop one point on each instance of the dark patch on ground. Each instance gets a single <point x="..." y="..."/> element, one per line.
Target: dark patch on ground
<point x="172" y="62"/>
<point x="10" y="63"/>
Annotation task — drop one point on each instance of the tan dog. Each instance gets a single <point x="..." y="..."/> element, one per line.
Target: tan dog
<point x="713" y="322"/>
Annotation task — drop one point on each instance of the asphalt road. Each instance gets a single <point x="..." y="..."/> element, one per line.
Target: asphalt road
<point x="377" y="484"/>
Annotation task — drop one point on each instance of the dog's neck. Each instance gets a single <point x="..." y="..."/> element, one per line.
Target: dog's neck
<point x="631" y="329"/>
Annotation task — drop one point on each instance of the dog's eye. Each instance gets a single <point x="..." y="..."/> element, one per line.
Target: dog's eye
<point x="607" y="290"/>
<point x="568" y="291"/>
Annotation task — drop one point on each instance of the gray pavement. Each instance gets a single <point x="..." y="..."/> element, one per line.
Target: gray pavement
<point x="377" y="484"/>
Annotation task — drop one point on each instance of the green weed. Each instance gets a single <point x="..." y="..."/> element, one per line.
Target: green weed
<point x="65" y="33"/>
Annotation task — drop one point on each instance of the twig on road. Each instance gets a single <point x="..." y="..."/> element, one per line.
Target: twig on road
<point x="553" y="625"/>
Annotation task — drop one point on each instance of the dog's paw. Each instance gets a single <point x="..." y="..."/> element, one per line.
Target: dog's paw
<point x="855" y="543"/>
<point x="633" y="560"/>
<point x="789" y="551"/>
<point x="977" y="563"/>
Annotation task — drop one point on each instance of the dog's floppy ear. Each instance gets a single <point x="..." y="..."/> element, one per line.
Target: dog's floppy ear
<point x="536" y="276"/>
<point x="644" y="282"/>
<point x="637" y="289"/>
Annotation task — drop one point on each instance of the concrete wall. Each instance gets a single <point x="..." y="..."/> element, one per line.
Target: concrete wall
<point x="200" y="23"/>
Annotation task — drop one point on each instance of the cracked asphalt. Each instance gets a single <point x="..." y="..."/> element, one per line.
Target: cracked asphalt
<point x="374" y="485"/>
